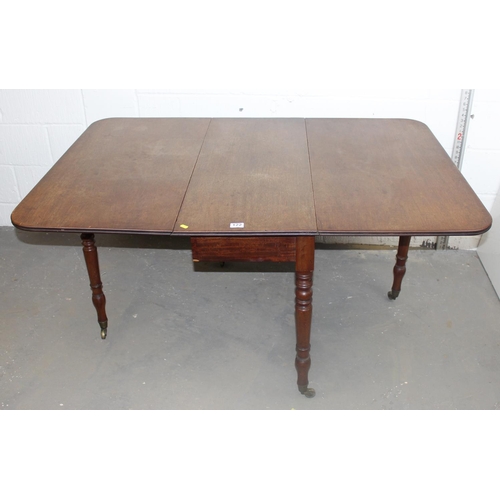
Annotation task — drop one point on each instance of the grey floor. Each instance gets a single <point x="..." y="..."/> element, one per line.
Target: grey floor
<point x="223" y="338"/>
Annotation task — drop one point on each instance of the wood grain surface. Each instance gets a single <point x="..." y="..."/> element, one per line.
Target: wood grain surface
<point x="273" y="176"/>
<point x="252" y="171"/>
<point x="122" y="175"/>
<point x="244" y="248"/>
<point x="388" y="177"/>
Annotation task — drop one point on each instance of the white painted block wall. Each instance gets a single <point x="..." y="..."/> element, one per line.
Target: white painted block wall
<point x="37" y="126"/>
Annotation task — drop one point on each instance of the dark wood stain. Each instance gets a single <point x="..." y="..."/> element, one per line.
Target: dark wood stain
<point x="243" y="248"/>
<point x="195" y="177"/>
<point x="254" y="171"/>
<point x="368" y="176"/>
<point x="388" y="177"/>
<point x="122" y="175"/>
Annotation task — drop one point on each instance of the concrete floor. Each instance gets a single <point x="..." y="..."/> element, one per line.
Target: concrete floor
<point x="223" y="338"/>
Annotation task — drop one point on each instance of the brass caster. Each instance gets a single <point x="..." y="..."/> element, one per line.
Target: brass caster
<point x="393" y="294"/>
<point x="308" y="392"/>
<point x="104" y="329"/>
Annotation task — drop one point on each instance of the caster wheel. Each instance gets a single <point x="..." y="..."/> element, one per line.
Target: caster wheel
<point x="308" y="392"/>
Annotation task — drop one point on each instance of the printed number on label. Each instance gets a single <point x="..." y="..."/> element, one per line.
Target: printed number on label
<point x="236" y="224"/>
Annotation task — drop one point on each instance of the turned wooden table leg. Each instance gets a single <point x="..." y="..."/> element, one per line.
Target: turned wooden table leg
<point x="400" y="267"/>
<point x="98" y="297"/>
<point x="304" y="266"/>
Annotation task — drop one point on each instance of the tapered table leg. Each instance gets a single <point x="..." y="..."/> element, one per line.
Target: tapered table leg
<point x="98" y="297"/>
<point x="304" y="267"/>
<point x="400" y="267"/>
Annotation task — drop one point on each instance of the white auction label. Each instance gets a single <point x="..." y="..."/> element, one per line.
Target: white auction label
<point x="233" y="225"/>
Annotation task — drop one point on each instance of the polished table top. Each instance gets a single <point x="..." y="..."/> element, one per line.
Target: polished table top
<point x="255" y="176"/>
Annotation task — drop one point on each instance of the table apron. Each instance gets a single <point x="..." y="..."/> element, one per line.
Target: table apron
<point x="244" y="248"/>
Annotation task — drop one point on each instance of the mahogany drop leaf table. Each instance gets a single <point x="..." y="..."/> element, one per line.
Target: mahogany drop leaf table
<point x="254" y="189"/>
